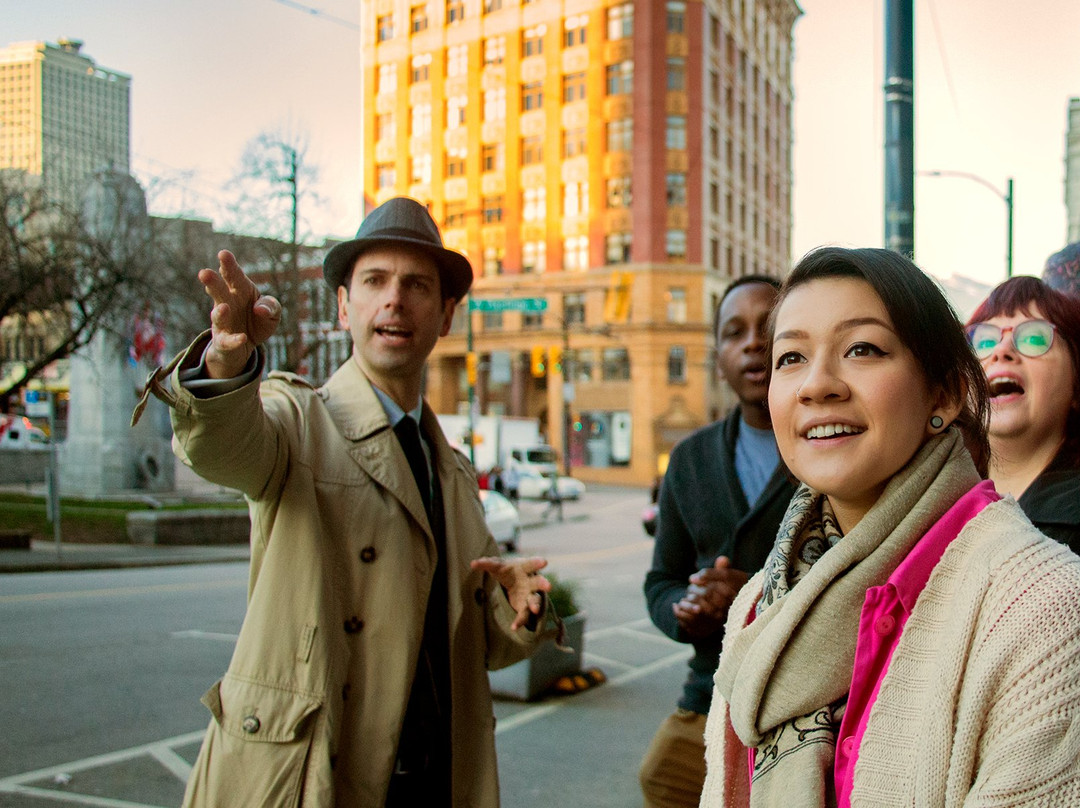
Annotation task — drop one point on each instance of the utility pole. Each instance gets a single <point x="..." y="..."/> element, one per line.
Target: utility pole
<point x="899" y="127"/>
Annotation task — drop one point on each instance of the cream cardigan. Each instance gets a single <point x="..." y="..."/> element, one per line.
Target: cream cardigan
<point x="981" y="702"/>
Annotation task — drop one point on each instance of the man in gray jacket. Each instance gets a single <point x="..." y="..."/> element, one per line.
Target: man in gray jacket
<point x="376" y="602"/>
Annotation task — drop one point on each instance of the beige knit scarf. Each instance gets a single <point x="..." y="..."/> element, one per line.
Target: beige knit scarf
<point x="786" y="675"/>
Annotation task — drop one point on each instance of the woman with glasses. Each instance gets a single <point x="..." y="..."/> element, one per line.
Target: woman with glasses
<point x="1027" y="336"/>
<point x="912" y="639"/>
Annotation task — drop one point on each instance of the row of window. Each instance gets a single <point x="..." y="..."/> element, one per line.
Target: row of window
<point x="619" y="23"/>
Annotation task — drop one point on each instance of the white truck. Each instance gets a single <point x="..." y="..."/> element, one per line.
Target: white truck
<point x="496" y="437"/>
<point x="17" y="432"/>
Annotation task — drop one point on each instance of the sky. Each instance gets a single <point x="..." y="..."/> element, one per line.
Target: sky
<point x="992" y="83"/>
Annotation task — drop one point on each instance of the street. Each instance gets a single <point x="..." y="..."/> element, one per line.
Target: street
<point x="104" y="670"/>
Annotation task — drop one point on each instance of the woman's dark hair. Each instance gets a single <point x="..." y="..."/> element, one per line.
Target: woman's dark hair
<point x="924" y="321"/>
<point x="1024" y="293"/>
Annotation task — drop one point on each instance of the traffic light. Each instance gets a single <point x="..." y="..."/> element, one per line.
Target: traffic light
<point x="472" y="362"/>
<point x="538" y="366"/>
<point x="617" y="300"/>
<point x="555" y="359"/>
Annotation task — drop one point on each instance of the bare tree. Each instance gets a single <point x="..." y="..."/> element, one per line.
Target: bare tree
<point x="63" y="277"/>
<point x="273" y="181"/>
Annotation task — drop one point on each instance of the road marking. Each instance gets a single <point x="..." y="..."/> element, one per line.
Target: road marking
<point x="165" y="755"/>
<point x="196" y="634"/>
<point x="78" y="799"/>
<point x="107" y="759"/>
<point x="607" y="552"/>
<point x="37" y="597"/>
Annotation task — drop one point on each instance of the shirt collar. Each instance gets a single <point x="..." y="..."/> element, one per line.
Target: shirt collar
<point x="394" y="412"/>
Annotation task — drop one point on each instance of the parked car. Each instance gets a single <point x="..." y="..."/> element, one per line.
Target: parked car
<point x="535" y="486"/>
<point x="20" y="433"/>
<point x="503" y="519"/>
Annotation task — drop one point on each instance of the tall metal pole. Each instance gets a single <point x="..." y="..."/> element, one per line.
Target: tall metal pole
<point x="469" y="381"/>
<point x="899" y="127"/>
<point x="1009" y="243"/>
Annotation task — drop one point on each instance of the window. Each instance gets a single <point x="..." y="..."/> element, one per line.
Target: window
<point x="387" y="78"/>
<point x="455" y="111"/>
<point x="421" y="168"/>
<point x="616" y="364"/>
<point x="492" y="320"/>
<point x="714" y="198"/>
<point x="532" y="96"/>
<point x="531" y="320"/>
<point x="455" y="163"/>
<point x="676" y="364"/>
<point x="573" y="87"/>
<point x="457" y="60"/>
<point x="494" y="50"/>
<point x="576" y="254"/>
<point x="620" y="135"/>
<point x="675" y="137"/>
<point x="676" y="17"/>
<point x="573" y="142"/>
<point x="676" y="189"/>
<point x="582" y="364"/>
<point x="455" y="11"/>
<point x="493" y="209"/>
<point x="620" y="21"/>
<point x="534" y="204"/>
<point x="384" y="26"/>
<point x="455" y="214"/>
<point x="532" y="41"/>
<point x="618" y="192"/>
<point x="386" y="176"/>
<point x="492" y="5"/>
<point x="617" y="248"/>
<point x="534" y="256"/>
<point x="493" y="260"/>
<point x="418" y="18"/>
<point x="574" y="308"/>
<point x="492" y="158"/>
<point x="385" y="129"/>
<point x="676" y="74"/>
<point x="495" y="104"/>
<point x="532" y="150"/>
<point x="619" y="78"/>
<point x="575" y="199"/>
<point x="420" y="120"/>
<point x="676" y="304"/>
<point x="675" y="244"/>
<point x="574" y="30"/>
<point x="421" y="67"/>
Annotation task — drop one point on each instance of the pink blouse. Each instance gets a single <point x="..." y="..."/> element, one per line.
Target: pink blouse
<point x="885" y="612"/>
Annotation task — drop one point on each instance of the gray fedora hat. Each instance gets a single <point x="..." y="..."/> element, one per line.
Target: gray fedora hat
<point x="405" y="222"/>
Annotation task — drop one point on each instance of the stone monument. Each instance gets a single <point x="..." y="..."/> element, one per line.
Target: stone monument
<point x="103" y="454"/>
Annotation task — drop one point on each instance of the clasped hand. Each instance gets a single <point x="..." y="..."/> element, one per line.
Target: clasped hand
<point x="704" y="608"/>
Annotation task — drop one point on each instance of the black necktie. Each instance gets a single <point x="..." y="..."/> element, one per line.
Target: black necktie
<point x="408" y="433"/>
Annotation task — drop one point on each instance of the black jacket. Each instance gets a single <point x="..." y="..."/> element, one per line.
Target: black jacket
<point x="703" y="515"/>
<point x="1052" y="502"/>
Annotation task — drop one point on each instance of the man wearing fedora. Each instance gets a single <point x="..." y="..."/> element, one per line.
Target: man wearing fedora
<point x="376" y="600"/>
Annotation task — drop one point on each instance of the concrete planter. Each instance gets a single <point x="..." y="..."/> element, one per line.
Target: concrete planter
<point x="530" y="678"/>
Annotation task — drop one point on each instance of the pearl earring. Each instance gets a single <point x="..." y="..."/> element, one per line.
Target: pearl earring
<point x="937" y="422"/>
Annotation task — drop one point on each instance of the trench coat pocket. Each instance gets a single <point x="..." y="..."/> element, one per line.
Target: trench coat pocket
<point x="261" y="753"/>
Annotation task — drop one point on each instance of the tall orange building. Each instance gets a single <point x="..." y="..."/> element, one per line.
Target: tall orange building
<point x="616" y="163"/>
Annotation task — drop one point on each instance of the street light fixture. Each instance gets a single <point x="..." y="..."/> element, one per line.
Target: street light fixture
<point x="1006" y="197"/>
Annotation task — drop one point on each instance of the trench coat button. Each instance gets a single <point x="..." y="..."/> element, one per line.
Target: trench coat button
<point x="367" y="555"/>
<point x="353" y="625"/>
<point x="481" y="596"/>
<point x="251" y="724"/>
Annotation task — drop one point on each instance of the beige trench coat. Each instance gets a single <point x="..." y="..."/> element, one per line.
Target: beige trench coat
<point x="310" y="709"/>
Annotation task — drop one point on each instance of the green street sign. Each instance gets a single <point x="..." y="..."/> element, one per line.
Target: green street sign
<point x="508" y="304"/>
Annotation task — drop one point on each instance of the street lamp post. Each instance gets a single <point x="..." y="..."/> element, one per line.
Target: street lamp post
<point x="1006" y="197"/>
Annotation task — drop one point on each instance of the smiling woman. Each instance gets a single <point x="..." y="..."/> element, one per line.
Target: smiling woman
<point x="904" y="602"/>
<point x="1027" y="336"/>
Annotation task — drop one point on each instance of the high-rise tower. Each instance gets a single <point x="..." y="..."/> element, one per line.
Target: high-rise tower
<point x="623" y="161"/>
<point x="62" y="116"/>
